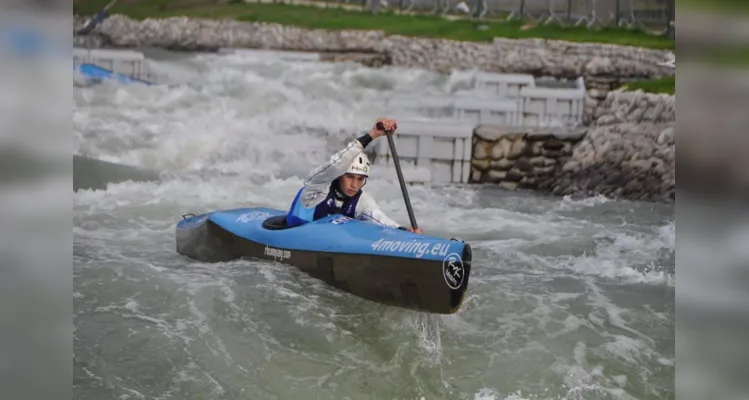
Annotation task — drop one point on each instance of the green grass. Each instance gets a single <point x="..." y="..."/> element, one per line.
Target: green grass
<point x="663" y="85"/>
<point x="409" y="25"/>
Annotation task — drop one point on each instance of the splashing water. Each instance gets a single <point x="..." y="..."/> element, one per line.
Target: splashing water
<point x="568" y="299"/>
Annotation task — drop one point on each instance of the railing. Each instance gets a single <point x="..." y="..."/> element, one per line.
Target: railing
<point x="647" y="14"/>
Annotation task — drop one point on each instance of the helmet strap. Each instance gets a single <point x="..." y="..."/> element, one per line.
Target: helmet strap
<point x="336" y="186"/>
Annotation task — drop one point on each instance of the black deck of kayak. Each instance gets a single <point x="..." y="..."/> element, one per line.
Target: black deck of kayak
<point x="410" y="283"/>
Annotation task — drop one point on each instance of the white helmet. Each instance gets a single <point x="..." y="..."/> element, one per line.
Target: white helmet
<point x="360" y="166"/>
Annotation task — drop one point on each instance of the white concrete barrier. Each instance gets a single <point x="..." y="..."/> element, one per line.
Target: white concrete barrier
<point x="424" y="106"/>
<point x="435" y="132"/>
<point x="443" y="148"/>
<point x="486" y="111"/>
<point x="500" y="99"/>
<point x="544" y="107"/>
<point x="411" y="175"/>
<point x="502" y="85"/>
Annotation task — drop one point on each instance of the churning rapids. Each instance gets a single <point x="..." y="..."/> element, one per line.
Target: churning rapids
<point x="568" y="299"/>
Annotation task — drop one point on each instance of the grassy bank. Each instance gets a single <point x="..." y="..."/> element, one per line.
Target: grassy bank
<point x="409" y="25"/>
<point x="335" y="18"/>
<point x="663" y="85"/>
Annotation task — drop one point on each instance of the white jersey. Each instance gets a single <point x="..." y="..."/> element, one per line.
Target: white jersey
<point x="317" y="186"/>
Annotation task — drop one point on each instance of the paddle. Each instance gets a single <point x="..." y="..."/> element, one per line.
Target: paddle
<point x="96" y="20"/>
<point x="396" y="161"/>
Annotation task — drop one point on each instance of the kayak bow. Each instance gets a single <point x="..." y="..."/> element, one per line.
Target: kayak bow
<point x="381" y="264"/>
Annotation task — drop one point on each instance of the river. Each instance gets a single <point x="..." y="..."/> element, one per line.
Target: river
<point x="568" y="298"/>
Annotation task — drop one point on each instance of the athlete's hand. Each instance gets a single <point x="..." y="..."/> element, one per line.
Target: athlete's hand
<point x="417" y="230"/>
<point x="383" y="126"/>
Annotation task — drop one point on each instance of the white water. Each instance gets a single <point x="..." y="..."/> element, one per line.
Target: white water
<point x="567" y="299"/>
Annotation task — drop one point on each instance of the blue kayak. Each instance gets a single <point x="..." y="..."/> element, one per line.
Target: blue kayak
<point x="94" y="73"/>
<point x="381" y="264"/>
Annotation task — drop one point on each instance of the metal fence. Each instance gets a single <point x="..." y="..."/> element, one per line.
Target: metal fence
<point x="643" y="14"/>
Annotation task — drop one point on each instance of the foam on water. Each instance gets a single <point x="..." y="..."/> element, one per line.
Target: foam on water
<point x="625" y="256"/>
<point x="547" y="315"/>
<point x="245" y="115"/>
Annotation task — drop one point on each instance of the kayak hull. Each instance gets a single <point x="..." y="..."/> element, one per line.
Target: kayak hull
<point x="95" y="73"/>
<point x="381" y="264"/>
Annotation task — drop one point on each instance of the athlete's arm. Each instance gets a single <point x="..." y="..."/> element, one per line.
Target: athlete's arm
<point x="341" y="160"/>
<point x="338" y="162"/>
<point x="367" y="209"/>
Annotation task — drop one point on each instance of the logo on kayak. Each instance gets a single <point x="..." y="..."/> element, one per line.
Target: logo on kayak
<point x="410" y="247"/>
<point x="252" y="216"/>
<point x="452" y="269"/>
<point x="277" y="253"/>
<point x="340" y="220"/>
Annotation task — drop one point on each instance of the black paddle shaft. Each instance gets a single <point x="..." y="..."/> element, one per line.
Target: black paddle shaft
<point x="402" y="182"/>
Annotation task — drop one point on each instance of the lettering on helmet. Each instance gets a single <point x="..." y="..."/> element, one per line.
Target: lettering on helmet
<point x="360" y="165"/>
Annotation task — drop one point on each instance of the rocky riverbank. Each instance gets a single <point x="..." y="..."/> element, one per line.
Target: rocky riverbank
<point x="629" y="152"/>
<point x="604" y="66"/>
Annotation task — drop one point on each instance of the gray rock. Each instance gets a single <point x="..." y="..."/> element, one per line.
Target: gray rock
<point x="481" y="150"/>
<point x="514" y="175"/>
<point x="599" y="66"/>
<point x="499" y="149"/>
<point x="539" y="161"/>
<point x="490" y="132"/>
<point x="666" y="136"/>
<point x="543" y="170"/>
<point x="606" y="119"/>
<point x="502" y="165"/>
<point x="553" y="144"/>
<point x="480" y="165"/>
<point x="496" y="176"/>
<point x="524" y="164"/>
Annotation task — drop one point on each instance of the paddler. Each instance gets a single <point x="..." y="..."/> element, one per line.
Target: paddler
<point x="336" y="186"/>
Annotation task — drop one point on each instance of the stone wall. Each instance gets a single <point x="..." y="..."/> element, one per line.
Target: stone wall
<point x="635" y="107"/>
<point x="629" y="161"/>
<point x="604" y="66"/>
<point x="630" y="153"/>
<point x="518" y="158"/>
